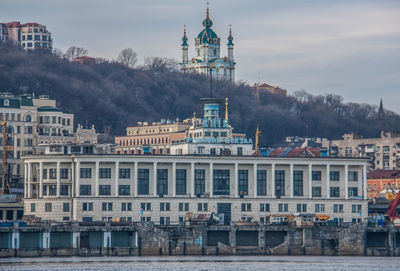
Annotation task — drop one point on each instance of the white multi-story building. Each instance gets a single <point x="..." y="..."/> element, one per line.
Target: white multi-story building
<point x="163" y="188"/>
<point x="30" y="36"/>
<point x="207" y="58"/>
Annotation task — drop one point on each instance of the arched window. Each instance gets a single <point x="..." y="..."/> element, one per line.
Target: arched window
<point x="28" y="118"/>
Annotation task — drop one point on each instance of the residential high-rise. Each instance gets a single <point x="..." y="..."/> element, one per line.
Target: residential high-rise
<point x="29" y="36"/>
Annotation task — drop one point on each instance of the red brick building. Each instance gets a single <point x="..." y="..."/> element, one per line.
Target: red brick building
<point x="381" y="181"/>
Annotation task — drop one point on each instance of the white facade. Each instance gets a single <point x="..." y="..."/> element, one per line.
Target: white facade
<point x="164" y="188"/>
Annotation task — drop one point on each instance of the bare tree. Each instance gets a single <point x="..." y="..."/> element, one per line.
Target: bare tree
<point x="58" y="52"/>
<point x="160" y="64"/>
<point x="74" y="52"/>
<point x="127" y="57"/>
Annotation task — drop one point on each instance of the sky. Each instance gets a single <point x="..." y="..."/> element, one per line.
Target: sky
<point x="346" y="47"/>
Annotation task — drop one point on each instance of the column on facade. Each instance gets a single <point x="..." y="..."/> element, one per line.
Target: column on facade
<point x="310" y="181"/>
<point x="255" y="166"/>
<point x="77" y="178"/>
<point x="328" y="179"/>
<point x="116" y="179"/>
<point x="173" y="179"/>
<point x="135" y="179"/>
<point x="236" y="181"/>
<point x="346" y="181"/>
<point x="155" y="179"/>
<point x="210" y="184"/>
<point x="96" y="178"/>
<point x="273" y="180"/>
<point x="40" y="179"/>
<point x="25" y="180"/>
<point x="364" y="182"/>
<point x="58" y="179"/>
<point x="29" y="180"/>
<point x="291" y="184"/>
<point x="192" y="180"/>
<point x="72" y="179"/>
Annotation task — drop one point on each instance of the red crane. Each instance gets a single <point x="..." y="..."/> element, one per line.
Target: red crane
<point x="392" y="207"/>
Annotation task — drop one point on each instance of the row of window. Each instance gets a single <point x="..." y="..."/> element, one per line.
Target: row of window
<point x="15" y="116"/>
<point x="35" y="37"/>
<point x="55" y="120"/>
<point x="36" y="45"/>
<point x="144" y="141"/>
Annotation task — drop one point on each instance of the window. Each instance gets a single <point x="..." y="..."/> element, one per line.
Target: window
<point x="199" y="181"/>
<point x="126" y="206"/>
<point x="353" y="191"/>
<point x="104" y="190"/>
<point x="301" y="207"/>
<point x="279" y="183"/>
<point x="246" y="207"/>
<point x="124" y="173"/>
<point x="45" y="173"/>
<point x="47" y="207"/>
<point x="64" y="190"/>
<point x="165" y="206"/>
<point x="124" y="189"/>
<point x="338" y="208"/>
<point x="105" y="173"/>
<point x="221" y="182"/>
<point x="143" y="181"/>
<point x="33" y="207"/>
<point x="319" y="208"/>
<point x="386" y="149"/>
<point x="85" y="189"/>
<point x="86" y="173"/>
<point x="87" y="206"/>
<point x="64" y="173"/>
<point x="65" y="207"/>
<point x="145" y="206"/>
<point x="243" y="182"/>
<point x="28" y="130"/>
<point x="353" y="176"/>
<point x="52" y="190"/>
<point x="106" y="206"/>
<point x="316" y="175"/>
<point x="334" y="192"/>
<point x="316" y="191"/>
<point x="297" y="182"/>
<point x="334" y="176"/>
<point x="181" y="181"/>
<point x="87" y="219"/>
<point x="240" y="151"/>
<point x="52" y="173"/>
<point x="162" y="181"/>
<point x="283" y="207"/>
<point x="356" y="208"/>
<point x="261" y="182"/>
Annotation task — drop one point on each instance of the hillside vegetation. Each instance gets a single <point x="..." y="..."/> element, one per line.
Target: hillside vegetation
<point x="112" y="96"/>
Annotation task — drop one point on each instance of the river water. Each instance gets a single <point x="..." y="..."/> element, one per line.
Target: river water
<point x="253" y="263"/>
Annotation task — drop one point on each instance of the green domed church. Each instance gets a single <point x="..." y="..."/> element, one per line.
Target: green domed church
<point x="207" y="58"/>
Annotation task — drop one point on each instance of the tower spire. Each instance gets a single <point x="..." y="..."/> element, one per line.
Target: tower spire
<point x="226" y="112"/>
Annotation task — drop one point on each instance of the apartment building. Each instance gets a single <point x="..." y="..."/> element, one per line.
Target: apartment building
<point x="383" y="152"/>
<point x="30" y="36"/>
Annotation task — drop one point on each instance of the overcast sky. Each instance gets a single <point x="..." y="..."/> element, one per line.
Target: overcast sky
<point x="347" y="47"/>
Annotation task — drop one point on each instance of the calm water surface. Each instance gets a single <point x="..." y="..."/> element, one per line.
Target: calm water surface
<point x="253" y="263"/>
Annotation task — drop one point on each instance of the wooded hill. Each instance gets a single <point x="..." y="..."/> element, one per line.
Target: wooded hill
<point x="112" y="96"/>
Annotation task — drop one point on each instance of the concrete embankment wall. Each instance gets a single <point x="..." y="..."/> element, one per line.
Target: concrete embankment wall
<point x="145" y="239"/>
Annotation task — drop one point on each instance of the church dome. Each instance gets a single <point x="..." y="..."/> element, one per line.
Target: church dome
<point x="207" y="35"/>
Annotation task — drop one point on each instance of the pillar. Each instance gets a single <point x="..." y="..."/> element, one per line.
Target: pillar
<point x="273" y="180"/>
<point x="192" y="184"/>
<point x="25" y="180"/>
<point x="328" y="179"/>
<point x="364" y="182"/>
<point x="46" y="240"/>
<point x="236" y="181"/>
<point x="40" y="179"/>
<point x="155" y="179"/>
<point x="72" y="180"/>
<point x="135" y="179"/>
<point x="58" y="179"/>
<point x="346" y="181"/>
<point x="291" y="184"/>
<point x="210" y="184"/>
<point x="75" y="239"/>
<point x="310" y="181"/>
<point x="96" y="179"/>
<point x="77" y="179"/>
<point x="116" y="179"/>
<point x="107" y="239"/>
<point x="173" y="179"/>
<point x="255" y="166"/>
<point x="15" y="240"/>
<point x="29" y="180"/>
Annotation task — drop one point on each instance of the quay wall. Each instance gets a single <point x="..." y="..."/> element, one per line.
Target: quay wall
<point x="146" y="239"/>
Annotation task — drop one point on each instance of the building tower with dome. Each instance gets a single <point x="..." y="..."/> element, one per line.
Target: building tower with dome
<point x="207" y="58"/>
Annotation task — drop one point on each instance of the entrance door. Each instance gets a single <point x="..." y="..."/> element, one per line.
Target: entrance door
<point x="225" y="209"/>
